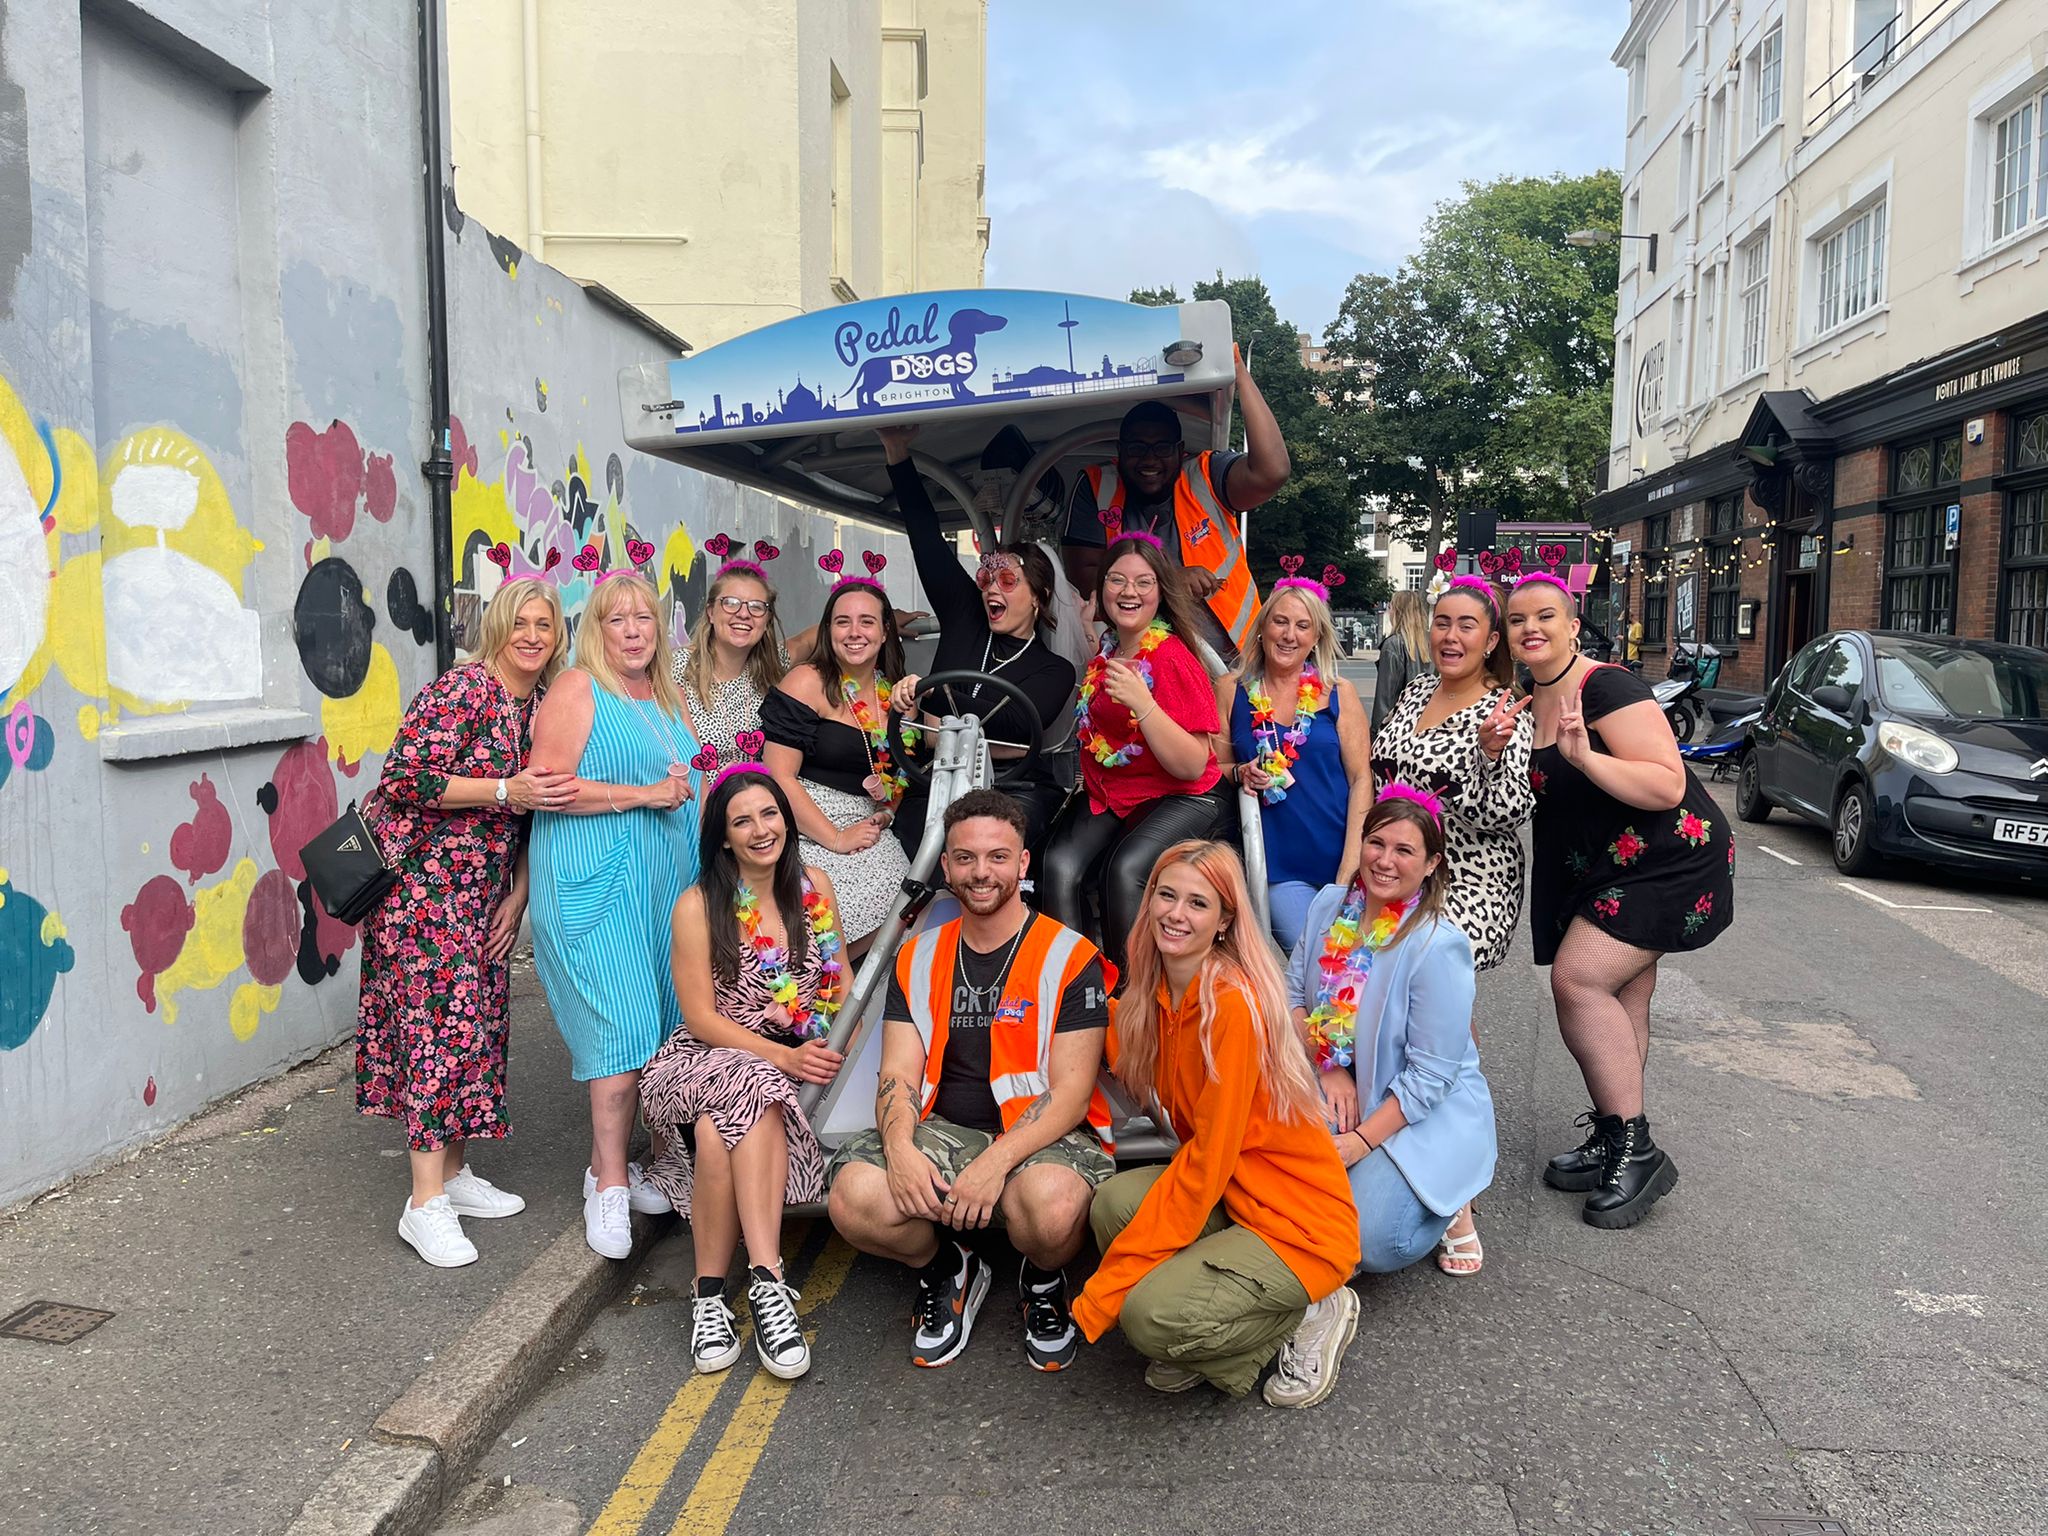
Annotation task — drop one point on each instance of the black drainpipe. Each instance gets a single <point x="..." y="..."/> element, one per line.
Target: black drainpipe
<point x="439" y="464"/>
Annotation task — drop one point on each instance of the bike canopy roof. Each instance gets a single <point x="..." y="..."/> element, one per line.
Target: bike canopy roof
<point x="792" y="407"/>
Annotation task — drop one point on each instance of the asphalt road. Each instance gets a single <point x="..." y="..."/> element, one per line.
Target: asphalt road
<point x="1839" y="1312"/>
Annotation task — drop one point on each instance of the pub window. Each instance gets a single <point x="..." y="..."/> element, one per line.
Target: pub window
<point x="2023" y="571"/>
<point x="1724" y="567"/>
<point x="1656" y="560"/>
<point x="1919" y="572"/>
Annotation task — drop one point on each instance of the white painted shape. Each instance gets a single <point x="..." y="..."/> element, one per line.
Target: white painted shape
<point x="1908" y="906"/>
<point x="1928" y="1304"/>
<point x="177" y="632"/>
<point x="24" y="571"/>
<point x="1782" y="858"/>
<point x="162" y="496"/>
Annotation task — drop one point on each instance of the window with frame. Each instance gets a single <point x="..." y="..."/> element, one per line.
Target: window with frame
<point x="1919" y="571"/>
<point x="1656" y="578"/>
<point x="1766" y="81"/>
<point x="1638" y="88"/>
<point x="1709" y="318"/>
<point x="1851" y="270"/>
<point x="1717" y="136"/>
<point x="1753" y="260"/>
<point x="2023" y="565"/>
<point x="2019" y="168"/>
<point x="1414" y="576"/>
<point x="1724" y="567"/>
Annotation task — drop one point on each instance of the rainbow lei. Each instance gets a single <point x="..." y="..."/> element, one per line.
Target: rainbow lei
<point x="1345" y="963"/>
<point x="1092" y="740"/>
<point x="812" y="1021"/>
<point x="871" y="726"/>
<point x="1279" y="748"/>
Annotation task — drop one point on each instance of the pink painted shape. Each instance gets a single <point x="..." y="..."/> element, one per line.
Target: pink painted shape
<point x="324" y="471"/>
<point x="460" y="448"/>
<point x="200" y="846"/>
<point x="270" y="928"/>
<point x="305" y="804"/>
<point x="149" y="1092"/>
<point x="157" y="922"/>
<point x="21" y="733"/>
<point x="380" y="487"/>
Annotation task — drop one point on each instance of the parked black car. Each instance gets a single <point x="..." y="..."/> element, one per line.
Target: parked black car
<point x="1912" y="745"/>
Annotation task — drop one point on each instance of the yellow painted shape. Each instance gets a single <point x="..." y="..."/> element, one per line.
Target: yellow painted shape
<point x="678" y="554"/>
<point x="74" y="634"/>
<point x="321" y="548"/>
<point x="246" y="1009"/>
<point x="723" y="1482"/>
<point x="210" y="535"/>
<point x="213" y="949"/>
<point x="78" y="504"/>
<point x="367" y="720"/>
<point x="18" y="429"/>
<point x="89" y="728"/>
<point x="53" y="929"/>
<point x="479" y="507"/>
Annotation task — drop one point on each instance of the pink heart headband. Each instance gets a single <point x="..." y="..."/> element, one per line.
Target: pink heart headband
<point x="1421" y="797"/>
<point x="833" y="563"/>
<point x="735" y="556"/>
<point x="638" y="551"/>
<point x="1292" y="564"/>
<point x="750" y="744"/>
<point x="1477" y="584"/>
<point x="1112" y="520"/>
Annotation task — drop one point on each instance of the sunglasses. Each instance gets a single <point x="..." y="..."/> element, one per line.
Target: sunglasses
<point x="753" y="607"/>
<point x="1001" y="573"/>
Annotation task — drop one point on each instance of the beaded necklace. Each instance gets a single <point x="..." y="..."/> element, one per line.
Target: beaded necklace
<point x="1346" y="962"/>
<point x="1279" y="748"/>
<point x="884" y="784"/>
<point x="812" y="1020"/>
<point x="1092" y="740"/>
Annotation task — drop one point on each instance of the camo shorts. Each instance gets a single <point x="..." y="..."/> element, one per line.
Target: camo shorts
<point x="952" y="1147"/>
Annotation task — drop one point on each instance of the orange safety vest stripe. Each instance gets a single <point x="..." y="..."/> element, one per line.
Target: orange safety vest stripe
<point x="1208" y="540"/>
<point x="1047" y="962"/>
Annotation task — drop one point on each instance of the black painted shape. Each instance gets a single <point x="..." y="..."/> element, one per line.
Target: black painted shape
<point x="332" y="623"/>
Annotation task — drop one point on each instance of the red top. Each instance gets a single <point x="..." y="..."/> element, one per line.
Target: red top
<point x="1181" y="687"/>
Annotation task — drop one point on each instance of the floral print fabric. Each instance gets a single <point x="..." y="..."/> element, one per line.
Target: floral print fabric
<point x="432" y="1020"/>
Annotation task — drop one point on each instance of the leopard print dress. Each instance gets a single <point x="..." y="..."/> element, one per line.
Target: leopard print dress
<point x="1485" y="803"/>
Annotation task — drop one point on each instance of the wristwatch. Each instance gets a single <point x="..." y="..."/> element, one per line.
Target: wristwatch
<point x="502" y="796"/>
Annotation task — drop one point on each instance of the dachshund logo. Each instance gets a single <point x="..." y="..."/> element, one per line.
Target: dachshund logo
<point x="946" y="367"/>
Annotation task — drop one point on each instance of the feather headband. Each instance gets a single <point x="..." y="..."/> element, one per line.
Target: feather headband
<point x="1479" y="584"/>
<point x="1549" y="577"/>
<point x="1421" y="797"/>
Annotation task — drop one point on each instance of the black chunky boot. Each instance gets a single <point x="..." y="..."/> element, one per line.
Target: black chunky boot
<point x="1585" y="1165"/>
<point x="1637" y="1173"/>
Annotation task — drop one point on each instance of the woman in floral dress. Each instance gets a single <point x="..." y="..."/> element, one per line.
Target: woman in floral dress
<point x="1633" y="860"/>
<point x="760" y="972"/>
<point x="431" y="1024"/>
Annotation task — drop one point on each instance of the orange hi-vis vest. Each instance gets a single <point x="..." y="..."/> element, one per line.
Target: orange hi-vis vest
<point x="1208" y="540"/>
<point x="1047" y="962"/>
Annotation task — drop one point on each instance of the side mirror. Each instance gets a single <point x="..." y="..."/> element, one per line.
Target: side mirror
<point x="1832" y="697"/>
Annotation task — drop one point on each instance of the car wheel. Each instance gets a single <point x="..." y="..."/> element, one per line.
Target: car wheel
<point x="1682" y="723"/>
<point x="1750" y="803"/>
<point x="1854" y="822"/>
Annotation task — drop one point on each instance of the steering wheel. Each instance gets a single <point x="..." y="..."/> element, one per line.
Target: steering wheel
<point x="1012" y="704"/>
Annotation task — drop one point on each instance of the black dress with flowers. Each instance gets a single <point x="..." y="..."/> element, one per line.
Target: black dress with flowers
<point x="1659" y="880"/>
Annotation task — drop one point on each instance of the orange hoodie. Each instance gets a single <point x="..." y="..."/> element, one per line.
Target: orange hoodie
<point x="1280" y="1179"/>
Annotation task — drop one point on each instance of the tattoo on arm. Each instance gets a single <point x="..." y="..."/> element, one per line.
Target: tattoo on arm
<point x="889" y="1103"/>
<point x="1033" y="1111"/>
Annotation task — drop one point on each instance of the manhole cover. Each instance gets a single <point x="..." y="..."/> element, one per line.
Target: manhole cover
<point x="52" y="1322"/>
<point x="1796" y="1525"/>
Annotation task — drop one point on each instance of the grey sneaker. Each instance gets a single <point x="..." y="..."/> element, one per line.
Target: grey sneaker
<point x="1163" y="1376"/>
<point x="1306" y="1372"/>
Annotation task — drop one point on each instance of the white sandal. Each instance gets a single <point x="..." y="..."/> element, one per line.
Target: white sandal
<point x="1463" y="1249"/>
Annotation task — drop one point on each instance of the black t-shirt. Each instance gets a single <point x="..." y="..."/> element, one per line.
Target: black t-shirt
<point x="964" y="1095"/>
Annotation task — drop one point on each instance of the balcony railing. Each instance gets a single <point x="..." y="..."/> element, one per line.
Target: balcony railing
<point x="1873" y="58"/>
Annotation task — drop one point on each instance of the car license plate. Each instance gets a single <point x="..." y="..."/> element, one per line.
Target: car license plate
<point x="2034" y="834"/>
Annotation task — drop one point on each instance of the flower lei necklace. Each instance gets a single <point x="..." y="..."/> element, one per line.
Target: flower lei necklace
<point x="1279" y="748"/>
<point x="812" y="1021"/>
<point x="1092" y="740"/>
<point x="884" y="784"/>
<point x="1348" y="949"/>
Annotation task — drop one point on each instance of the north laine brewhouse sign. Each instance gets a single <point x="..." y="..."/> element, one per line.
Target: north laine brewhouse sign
<point x="1979" y="378"/>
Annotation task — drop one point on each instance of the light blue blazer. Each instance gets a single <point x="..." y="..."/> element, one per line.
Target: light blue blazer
<point x="1415" y="1042"/>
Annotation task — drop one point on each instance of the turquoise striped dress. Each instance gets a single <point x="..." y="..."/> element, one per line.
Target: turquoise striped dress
<point x="603" y="887"/>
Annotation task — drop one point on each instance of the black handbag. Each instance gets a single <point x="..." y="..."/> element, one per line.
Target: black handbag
<point x="347" y="868"/>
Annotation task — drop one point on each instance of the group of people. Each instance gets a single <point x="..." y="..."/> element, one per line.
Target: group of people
<point x="709" y="841"/>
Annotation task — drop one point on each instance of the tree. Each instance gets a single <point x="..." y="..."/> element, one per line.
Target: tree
<point x="1316" y="513"/>
<point x="1477" y="375"/>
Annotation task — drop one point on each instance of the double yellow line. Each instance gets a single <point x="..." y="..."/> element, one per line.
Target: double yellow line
<point x="722" y="1483"/>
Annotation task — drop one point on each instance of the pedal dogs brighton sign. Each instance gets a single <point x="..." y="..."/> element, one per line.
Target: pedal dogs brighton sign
<point x="883" y="357"/>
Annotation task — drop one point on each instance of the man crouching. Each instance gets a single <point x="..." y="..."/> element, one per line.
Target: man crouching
<point x="992" y="1039"/>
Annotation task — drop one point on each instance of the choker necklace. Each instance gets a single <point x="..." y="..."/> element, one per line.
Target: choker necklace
<point x="1545" y="682"/>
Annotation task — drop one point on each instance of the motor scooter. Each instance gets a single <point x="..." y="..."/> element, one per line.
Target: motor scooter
<point x="1722" y="749"/>
<point x="1691" y="671"/>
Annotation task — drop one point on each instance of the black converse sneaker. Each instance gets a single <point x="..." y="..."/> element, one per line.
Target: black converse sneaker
<point x="950" y="1291"/>
<point x="714" y="1344"/>
<point x="1051" y="1341"/>
<point x="778" y="1336"/>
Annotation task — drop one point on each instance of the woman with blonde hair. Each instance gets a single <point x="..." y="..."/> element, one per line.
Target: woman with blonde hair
<point x="1240" y="1247"/>
<point x="1297" y="735"/>
<point x="1404" y="653"/>
<point x="735" y="654"/>
<point x="433" y="1020"/>
<point x="608" y="866"/>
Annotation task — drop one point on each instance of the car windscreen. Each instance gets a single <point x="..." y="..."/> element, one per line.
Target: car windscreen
<point x="1929" y="678"/>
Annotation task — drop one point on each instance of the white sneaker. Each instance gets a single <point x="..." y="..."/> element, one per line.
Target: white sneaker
<point x="714" y="1342"/>
<point x="645" y="1198"/>
<point x="435" y="1232"/>
<point x="1306" y="1372"/>
<point x="474" y="1196"/>
<point x="608" y="1222"/>
<point x="778" y="1336"/>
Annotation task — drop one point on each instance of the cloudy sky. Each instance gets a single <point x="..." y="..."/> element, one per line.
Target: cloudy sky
<point x="1133" y="143"/>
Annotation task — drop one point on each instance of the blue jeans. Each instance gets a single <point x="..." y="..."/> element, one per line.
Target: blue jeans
<point x="1394" y="1228"/>
<point x="1289" y="903"/>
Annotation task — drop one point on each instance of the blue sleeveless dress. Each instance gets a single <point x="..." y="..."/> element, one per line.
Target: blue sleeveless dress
<point x="1305" y="832"/>
<point x="603" y="888"/>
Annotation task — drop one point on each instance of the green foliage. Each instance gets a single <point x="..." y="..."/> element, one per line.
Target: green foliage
<point x="1478" y="374"/>
<point x="1316" y="513"/>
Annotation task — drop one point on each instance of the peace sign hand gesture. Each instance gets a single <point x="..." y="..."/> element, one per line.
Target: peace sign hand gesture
<point x="1498" y="728"/>
<point x="1572" y="742"/>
